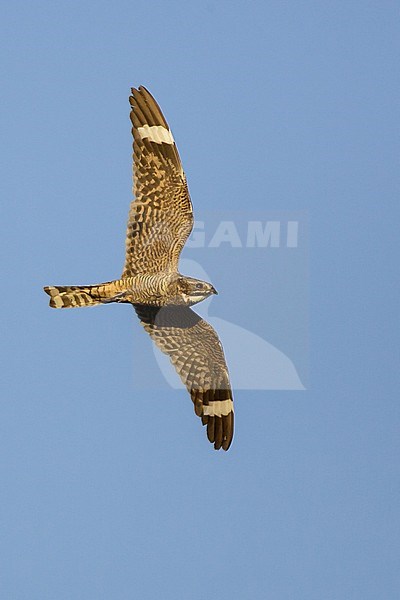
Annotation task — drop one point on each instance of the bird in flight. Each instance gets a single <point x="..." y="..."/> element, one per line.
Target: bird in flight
<point x="160" y="221"/>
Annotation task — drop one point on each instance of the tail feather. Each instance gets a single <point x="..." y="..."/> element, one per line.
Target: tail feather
<point x="73" y="296"/>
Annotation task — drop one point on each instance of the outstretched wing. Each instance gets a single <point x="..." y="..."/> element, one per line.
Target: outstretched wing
<point x="197" y="355"/>
<point x="161" y="216"/>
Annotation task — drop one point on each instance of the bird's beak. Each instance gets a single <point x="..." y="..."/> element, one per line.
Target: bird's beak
<point x="214" y="291"/>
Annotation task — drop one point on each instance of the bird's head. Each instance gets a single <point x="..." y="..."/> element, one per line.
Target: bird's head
<point x="195" y="290"/>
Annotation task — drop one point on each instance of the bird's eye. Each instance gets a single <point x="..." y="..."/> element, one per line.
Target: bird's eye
<point x="199" y="286"/>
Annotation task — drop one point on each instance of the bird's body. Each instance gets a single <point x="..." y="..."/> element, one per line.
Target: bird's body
<point x="160" y="221"/>
<point x="152" y="289"/>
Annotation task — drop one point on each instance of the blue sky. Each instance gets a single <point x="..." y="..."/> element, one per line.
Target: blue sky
<point x="109" y="489"/>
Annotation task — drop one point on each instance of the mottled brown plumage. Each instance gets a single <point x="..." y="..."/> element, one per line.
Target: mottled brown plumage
<point x="197" y="355"/>
<point x="161" y="216"/>
<point x="160" y="221"/>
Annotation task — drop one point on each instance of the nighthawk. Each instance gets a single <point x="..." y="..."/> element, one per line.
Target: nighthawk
<point x="160" y="221"/>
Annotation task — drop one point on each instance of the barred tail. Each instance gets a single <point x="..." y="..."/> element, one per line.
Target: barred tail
<point x="85" y="295"/>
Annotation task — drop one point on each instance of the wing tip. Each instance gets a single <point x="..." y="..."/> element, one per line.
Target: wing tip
<point x="141" y="90"/>
<point x="219" y="430"/>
